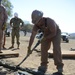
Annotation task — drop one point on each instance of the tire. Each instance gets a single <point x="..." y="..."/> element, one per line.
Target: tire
<point x="8" y="34"/>
<point x="67" y="41"/>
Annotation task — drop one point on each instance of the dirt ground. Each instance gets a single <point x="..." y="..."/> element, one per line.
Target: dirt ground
<point x="33" y="61"/>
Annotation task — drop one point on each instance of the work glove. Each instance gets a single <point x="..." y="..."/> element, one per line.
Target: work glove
<point x="29" y="51"/>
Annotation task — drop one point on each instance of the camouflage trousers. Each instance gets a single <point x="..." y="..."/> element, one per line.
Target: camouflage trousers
<point x="45" y="46"/>
<point x="1" y="37"/>
<point x="15" y="33"/>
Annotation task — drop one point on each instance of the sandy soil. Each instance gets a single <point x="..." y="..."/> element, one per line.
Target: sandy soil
<point x="33" y="61"/>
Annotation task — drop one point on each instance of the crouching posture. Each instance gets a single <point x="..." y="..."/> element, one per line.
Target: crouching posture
<point x="51" y="33"/>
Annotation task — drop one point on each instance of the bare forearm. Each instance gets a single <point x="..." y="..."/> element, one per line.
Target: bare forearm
<point x="32" y="39"/>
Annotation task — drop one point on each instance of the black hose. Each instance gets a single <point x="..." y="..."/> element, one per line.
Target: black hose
<point x="29" y="54"/>
<point x="16" y="68"/>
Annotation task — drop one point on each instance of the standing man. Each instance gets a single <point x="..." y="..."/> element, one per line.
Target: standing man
<point x="4" y="37"/>
<point x="16" y="24"/>
<point x="3" y="19"/>
<point x="51" y="33"/>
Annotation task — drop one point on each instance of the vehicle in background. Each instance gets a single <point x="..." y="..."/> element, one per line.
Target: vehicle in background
<point x="7" y="32"/>
<point x="65" y="37"/>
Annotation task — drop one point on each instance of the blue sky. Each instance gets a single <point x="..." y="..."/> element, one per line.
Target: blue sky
<point x="62" y="11"/>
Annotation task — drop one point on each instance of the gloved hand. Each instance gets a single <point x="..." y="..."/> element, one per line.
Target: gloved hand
<point x="29" y="51"/>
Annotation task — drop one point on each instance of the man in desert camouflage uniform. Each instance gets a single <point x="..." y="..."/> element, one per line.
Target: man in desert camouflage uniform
<point x="16" y="24"/>
<point x="51" y="33"/>
<point x="3" y="19"/>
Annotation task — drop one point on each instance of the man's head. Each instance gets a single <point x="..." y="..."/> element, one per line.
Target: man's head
<point x="36" y="16"/>
<point x="16" y="15"/>
<point x="0" y="2"/>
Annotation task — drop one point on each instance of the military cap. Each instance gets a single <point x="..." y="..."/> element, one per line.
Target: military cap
<point x="36" y="16"/>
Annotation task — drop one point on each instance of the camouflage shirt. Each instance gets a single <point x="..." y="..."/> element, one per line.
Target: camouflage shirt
<point x="16" y="22"/>
<point x="50" y="28"/>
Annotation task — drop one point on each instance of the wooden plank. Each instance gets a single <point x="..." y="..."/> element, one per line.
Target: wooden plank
<point x="8" y="54"/>
<point x="65" y="54"/>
